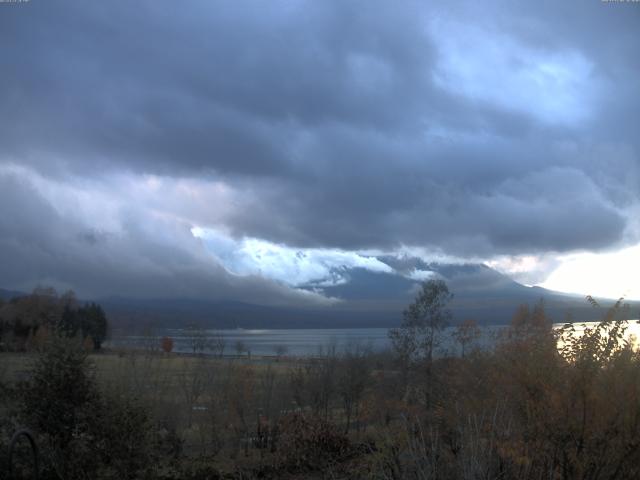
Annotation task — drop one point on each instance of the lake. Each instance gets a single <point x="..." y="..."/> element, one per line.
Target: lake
<point x="297" y="342"/>
<point x="304" y="342"/>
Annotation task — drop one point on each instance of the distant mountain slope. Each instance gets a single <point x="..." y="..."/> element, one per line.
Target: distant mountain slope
<point x="365" y="284"/>
<point x="479" y="292"/>
<point x="9" y="294"/>
<point x="467" y="280"/>
<point x="368" y="299"/>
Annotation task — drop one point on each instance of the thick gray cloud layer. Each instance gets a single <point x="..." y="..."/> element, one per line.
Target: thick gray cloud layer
<point x="146" y="255"/>
<point x="473" y="130"/>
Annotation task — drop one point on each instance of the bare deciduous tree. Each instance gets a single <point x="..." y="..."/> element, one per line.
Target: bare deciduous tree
<point x="198" y="339"/>
<point x="217" y="344"/>
<point x="355" y="373"/>
<point x="240" y="347"/>
<point x="465" y="334"/>
<point x="280" y="350"/>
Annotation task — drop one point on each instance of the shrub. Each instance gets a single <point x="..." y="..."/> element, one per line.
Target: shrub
<point x="81" y="432"/>
<point x="306" y="443"/>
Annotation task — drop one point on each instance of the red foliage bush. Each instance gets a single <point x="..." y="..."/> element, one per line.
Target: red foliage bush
<point x="166" y="344"/>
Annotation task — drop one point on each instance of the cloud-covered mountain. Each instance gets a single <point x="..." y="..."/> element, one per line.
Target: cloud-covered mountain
<point x="366" y="299"/>
<point x="361" y="297"/>
<point x="473" y="130"/>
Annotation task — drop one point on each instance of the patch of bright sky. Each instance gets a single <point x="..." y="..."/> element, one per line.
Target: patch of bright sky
<point x="526" y="269"/>
<point x="291" y="266"/>
<point x="610" y="275"/>
<point x="492" y="67"/>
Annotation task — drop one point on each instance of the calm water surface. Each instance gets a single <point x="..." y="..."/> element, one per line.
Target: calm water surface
<point x="302" y="342"/>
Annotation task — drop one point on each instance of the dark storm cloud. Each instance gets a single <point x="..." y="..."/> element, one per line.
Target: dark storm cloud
<point x="218" y="86"/>
<point x="474" y="130"/>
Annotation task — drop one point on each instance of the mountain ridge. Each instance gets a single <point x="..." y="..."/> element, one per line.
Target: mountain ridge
<point x="366" y="299"/>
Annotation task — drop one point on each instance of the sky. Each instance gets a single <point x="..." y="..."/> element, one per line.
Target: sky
<point x="247" y="149"/>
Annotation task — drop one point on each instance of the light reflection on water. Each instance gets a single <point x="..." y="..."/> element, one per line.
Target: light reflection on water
<point x="631" y="334"/>
<point x="304" y="342"/>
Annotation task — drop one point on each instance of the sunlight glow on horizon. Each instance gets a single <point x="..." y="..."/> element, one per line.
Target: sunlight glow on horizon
<point x="611" y="275"/>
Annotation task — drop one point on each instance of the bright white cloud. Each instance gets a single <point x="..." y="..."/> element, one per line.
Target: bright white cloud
<point x="291" y="266"/>
<point x="420" y="275"/>
<point x="526" y="269"/>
